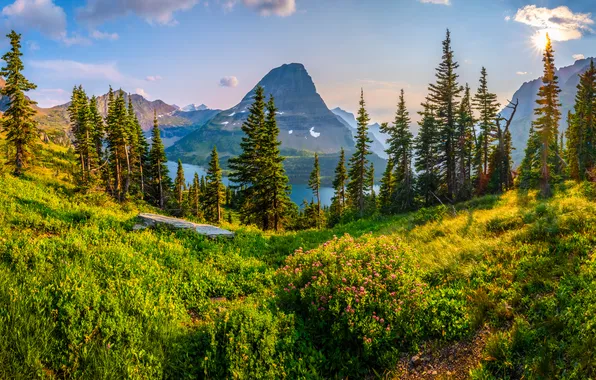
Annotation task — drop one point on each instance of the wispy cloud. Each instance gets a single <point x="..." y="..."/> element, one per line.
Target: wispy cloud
<point x="153" y="78"/>
<point x="522" y="73"/>
<point x="507" y="18"/>
<point x="560" y="23"/>
<point x="32" y="45"/>
<point x="80" y="70"/>
<point x="96" y="12"/>
<point x="578" y="57"/>
<point x="143" y="93"/>
<point x="228" y="81"/>
<point x="281" y="8"/>
<point x="98" y="35"/>
<point x="441" y="2"/>
<point x="50" y="97"/>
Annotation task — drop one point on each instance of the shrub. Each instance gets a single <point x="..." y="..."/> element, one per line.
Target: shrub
<point x="364" y="302"/>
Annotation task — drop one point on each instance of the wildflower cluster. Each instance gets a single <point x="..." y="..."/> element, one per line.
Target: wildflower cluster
<point x="365" y="296"/>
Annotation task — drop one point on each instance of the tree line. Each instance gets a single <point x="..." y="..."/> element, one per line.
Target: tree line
<point x="462" y="150"/>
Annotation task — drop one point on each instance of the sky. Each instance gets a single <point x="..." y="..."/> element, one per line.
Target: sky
<point x="215" y="51"/>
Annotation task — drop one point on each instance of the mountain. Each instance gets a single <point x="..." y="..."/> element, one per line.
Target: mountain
<point x="143" y="108"/>
<point x="305" y="122"/>
<point x="527" y="95"/>
<point x="194" y="107"/>
<point x="378" y="138"/>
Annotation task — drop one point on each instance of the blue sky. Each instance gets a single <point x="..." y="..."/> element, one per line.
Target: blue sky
<point x="213" y="52"/>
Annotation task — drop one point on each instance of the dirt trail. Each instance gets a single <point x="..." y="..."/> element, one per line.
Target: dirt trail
<point x="451" y="362"/>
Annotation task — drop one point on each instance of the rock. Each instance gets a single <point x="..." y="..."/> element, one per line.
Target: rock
<point x="415" y="361"/>
<point x="151" y="220"/>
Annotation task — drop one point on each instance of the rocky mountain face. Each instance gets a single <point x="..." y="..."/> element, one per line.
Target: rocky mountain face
<point x="527" y="95"/>
<point x="194" y="107"/>
<point x="379" y="139"/>
<point x="305" y="122"/>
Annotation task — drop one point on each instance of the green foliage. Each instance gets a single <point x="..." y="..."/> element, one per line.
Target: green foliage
<point x="17" y="121"/>
<point x="368" y="300"/>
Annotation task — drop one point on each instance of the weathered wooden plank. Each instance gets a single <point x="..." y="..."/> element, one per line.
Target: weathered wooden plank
<point x="151" y="220"/>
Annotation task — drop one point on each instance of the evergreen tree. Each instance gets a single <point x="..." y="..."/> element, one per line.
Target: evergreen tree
<point x="98" y="129"/>
<point x="139" y="149"/>
<point x="246" y="166"/>
<point x="400" y="143"/>
<point x="444" y="95"/>
<point x="195" y="199"/>
<point x="275" y="181"/>
<point x="358" y="186"/>
<point x="314" y="182"/>
<point x="487" y="106"/>
<point x="215" y="192"/>
<point x="465" y="147"/>
<point x="427" y="146"/>
<point x="547" y="123"/>
<point x="17" y="121"/>
<point x="338" y="204"/>
<point x="387" y="190"/>
<point x="581" y="131"/>
<point x="117" y="143"/>
<point x="82" y="124"/>
<point x="371" y="203"/>
<point x="159" y="178"/>
<point x="529" y="170"/>
<point x="179" y="187"/>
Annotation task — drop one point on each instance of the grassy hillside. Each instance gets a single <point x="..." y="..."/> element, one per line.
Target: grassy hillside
<point x="82" y="295"/>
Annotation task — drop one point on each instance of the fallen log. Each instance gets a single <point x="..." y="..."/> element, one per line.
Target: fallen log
<point x="152" y="220"/>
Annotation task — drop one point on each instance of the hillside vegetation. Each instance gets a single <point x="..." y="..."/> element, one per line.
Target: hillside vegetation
<point x="82" y="295"/>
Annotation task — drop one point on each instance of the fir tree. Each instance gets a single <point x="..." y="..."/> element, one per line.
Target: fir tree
<point x="487" y="106"/>
<point x="246" y="166"/>
<point x="529" y="170"/>
<point x="400" y="143"/>
<point x="139" y="149"/>
<point x="275" y="181"/>
<point x="387" y="188"/>
<point x="159" y="178"/>
<point x="547" y="123"/>
<point x="314" y="182"/>
<point x="338" y="204"/>
<point x="358" y="186"/>
<point x="82" y="124"/>
<point x="215" y="192"/>
<point x="465" y="147"/>
<point x="581" y="131"/>
<point x="17" y="122"/>
<point x="444" y="95"/>
<point x="371" y="204"/>
<point x="179" y="187"/>
<point x="427" y="145"/>
<point x="195" y="200"/>
<point x="98" y="128"/>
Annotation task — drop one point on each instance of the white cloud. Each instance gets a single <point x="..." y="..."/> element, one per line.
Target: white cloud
<point x="43" y="16"/>
<point x="79" y="70"/>
<point x="50" y="97"/>
<point x="228" y="82"/>
<point x="153" y="78"/>
<point x="95" y="12"/>
<point x="143" y="93"/>
<point x="281" y="8"/>
<point x="507" y="18"/>
<point x="522" y="73"/>
<point x="75" y="39"/>
<point x="560" y="23"/>
<point x="97" y="35"/>
<point x="441" y="2"/>
<point x="578" y="57"/>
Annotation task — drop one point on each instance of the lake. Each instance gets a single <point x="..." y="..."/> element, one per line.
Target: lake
<point x="299" y="193"/>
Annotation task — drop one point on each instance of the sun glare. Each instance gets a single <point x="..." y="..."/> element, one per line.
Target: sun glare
<point x="539" y="39"/>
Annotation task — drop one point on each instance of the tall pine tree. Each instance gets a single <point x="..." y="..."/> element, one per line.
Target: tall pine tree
<point x="358" y="185"/>
<point x="159" y="178"/>
<point x="340" y="180"/>
<point x="547" y="122"/>
<point x="314" y="182"/>
<point x="17" y="122"/>
<point x="427" y="146"/>
<point x="444" y="95"/>
<point x="215" y="192"/>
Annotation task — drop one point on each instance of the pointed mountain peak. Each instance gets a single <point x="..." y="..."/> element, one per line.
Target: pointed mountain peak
<point x="193" y="107"/>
